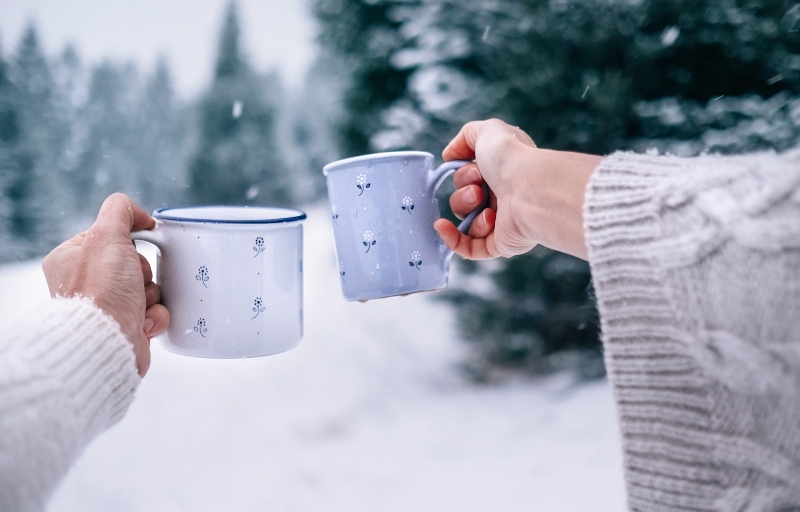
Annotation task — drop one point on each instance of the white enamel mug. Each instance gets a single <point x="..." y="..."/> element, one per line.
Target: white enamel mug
<point x="231" y="277"/>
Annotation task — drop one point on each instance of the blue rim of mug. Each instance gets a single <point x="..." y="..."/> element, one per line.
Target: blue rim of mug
<point x="374" y="156"/>
<point x="297" y="215"/>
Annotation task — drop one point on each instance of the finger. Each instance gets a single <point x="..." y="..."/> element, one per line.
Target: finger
<point x="156" y="320"/>
<point x="464" y="245"/>
<point x="467" y="175"/>
<point x="121" y="215"/>
<point x="483" y="224"/>
<point x="152" y="294"/>
<point x="147" y="272"/>
<point x="465" y="200"/>
<point x="462" y="147"/>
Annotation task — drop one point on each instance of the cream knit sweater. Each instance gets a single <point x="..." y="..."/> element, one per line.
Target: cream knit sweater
<point x="696" y="266"/>
<point x="66" y="374"/>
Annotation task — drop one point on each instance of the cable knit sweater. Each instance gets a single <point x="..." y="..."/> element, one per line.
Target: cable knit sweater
<point x="66" y="374"/>
<point x="696" y="266"/>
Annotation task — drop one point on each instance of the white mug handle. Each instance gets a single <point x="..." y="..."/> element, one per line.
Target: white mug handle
<point x="156" y="238"/>
<point x="445" y="170"/>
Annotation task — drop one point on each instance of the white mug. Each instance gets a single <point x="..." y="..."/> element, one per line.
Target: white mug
<point x="231" y="277"/>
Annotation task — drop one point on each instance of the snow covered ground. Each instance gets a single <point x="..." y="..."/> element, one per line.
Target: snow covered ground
<point x="368" y="414"/>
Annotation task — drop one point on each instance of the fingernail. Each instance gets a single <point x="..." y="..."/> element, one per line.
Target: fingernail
<point x="469" y="196"/>
<point x="473" y="174"/>
<point x="149" y="323"/>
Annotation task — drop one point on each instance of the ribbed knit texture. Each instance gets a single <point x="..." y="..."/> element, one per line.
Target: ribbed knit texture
<point x="696" y="267"/>
<point x="66" y="374"/>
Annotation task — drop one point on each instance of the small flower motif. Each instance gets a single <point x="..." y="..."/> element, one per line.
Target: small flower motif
<point x="202" y="275"/>
<point x="415" y="260"/>
<point x="361" y="183"/>
<point x="368" y="241"/>
<point x="341" y="270"/>
<point x="408" y="204"/>
<point x="201" y="327"/>
<point x="258" y="306"/>
<point x="334" y="215"/>
<point x="259" y="248"/>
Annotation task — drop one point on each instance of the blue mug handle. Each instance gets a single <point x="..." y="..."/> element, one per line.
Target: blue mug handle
<point x="445" y="170"/>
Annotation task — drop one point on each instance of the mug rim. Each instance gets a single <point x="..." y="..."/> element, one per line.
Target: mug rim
<point x="293" y="215"/>
<point x="385" y="155"/>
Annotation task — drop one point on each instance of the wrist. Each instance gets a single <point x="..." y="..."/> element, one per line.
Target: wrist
<point x="553" y="190"/>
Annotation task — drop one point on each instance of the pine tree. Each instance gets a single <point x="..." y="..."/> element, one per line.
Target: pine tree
<point x="236" y="159"/>
<point x="70" y="85"/>
<point x="13" y="163"/>
<point x="310" y="123"/>
<point x="31" y="155"/>
<point x="361" y="35"/>
<point x="161" y="131"/>
<point x="109" y="156"/>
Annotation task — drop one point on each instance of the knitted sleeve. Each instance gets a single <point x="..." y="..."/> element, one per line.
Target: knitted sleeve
<point x="696" y="266"/>
<point x="66" y="374"/>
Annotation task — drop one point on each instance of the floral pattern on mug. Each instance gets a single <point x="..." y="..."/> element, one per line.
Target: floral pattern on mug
<point x="334" y="215"/>
<point x="202" y="275"/>
<point x="415" y="260"/>
<point x="361" y="183"/>
<point x="341" y="270"/>
<point x="258" y="306"/>
<point x="408" y="204"/>
<point x="201" y="327"/>
<point x="368" y="240"/>
<point x="259" y="248"/>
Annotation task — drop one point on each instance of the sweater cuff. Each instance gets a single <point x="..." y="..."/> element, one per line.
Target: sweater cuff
<point x="621" y="225"/>
<point x="660" y="400"/>
<point x="72" y="342"/>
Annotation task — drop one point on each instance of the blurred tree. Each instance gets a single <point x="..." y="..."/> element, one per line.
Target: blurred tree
<point x="161" y="127"/>
<point x="361" y="35"/>
<point x="70" y="86"/>
<point x="236" y="158"/>
<point x="108" y="155"/>
<point x="30" y="153"/>
<point x="311" y="122"/>
<point x="13" y="159"/>
<point x="585" y="75"/>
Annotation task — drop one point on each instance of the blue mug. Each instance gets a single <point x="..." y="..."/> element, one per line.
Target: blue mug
<point x="383" y="207"/>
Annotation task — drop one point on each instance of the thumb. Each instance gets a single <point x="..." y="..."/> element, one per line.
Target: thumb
<point x="462" y="147"/>
<point x="141" y="348"/>
<point x="121" y="215"/>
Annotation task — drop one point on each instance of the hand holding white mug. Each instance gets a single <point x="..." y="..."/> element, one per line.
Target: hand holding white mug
<point x="102" y="264"/>
<point x="536" y="194"/>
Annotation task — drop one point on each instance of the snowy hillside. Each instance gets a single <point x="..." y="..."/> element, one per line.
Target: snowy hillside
<point x="368" y="414"/>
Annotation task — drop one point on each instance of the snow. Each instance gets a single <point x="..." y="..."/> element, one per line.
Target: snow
<point x="369" y="413"/>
